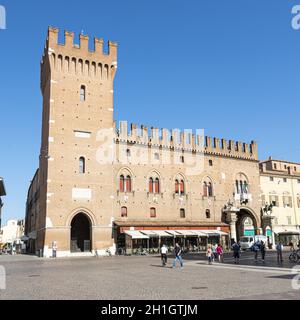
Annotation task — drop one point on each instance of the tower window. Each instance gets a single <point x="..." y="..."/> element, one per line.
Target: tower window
<point x="152" y="213"/>
<point x="182" y="188"/>
<point x="207" y="189"/>
<point x="124" y="212"/>
<point x="81" y="165"/>
<point x="207" y="213"/>
<point x="182" y="159"/>
<point x="82" y="93"/>
<point x="176" y="186"/>
<point x="182" y="213"/>
<point x="210" y="162"/>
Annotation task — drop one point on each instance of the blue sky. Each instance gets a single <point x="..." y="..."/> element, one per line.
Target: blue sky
<point x="230" y="67"/>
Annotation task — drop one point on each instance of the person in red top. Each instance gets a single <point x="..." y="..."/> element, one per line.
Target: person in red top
<point x="220" y="253"/>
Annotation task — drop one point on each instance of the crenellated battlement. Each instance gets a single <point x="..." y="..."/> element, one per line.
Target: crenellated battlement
<point x="186" y="141"/>
<point x="83" y="46"/>
<point x="77" y="59"/>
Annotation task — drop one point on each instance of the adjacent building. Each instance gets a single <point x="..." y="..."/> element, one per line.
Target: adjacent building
<point x="12" y="232"/>
<point x="102" y="185"/>
<point x="2" y="193"/>
<point x="280" y="185"/>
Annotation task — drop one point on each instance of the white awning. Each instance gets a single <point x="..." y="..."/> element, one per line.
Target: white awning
<point x="136" y="235"/>
<point x="163" y="234"/>
<point x="200" y="233"/>
<point x="187" y="233"/>
<point x="149" y="233"/>
<point x="214" y="233"/>
<point x="174" y="233"/>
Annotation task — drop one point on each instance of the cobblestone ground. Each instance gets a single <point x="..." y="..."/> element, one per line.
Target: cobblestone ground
<point x="143" y="277"/>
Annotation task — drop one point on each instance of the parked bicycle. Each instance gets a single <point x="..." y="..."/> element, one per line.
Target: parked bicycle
<point x="295" y="256"/>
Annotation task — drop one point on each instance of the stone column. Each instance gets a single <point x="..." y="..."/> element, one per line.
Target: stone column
<point x="268" y="221"/>
<point x="232" y="219"/>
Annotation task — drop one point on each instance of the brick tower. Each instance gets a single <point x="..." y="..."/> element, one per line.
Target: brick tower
<point x="75" y="205"/>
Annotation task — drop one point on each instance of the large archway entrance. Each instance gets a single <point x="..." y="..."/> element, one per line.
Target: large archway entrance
<point x="246" y="224"/>
<point x="81" y="233"/>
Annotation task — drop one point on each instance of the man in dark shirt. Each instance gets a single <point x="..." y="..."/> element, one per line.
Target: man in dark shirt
<point x="177" y="252"/>
<point x="236" y="252"/>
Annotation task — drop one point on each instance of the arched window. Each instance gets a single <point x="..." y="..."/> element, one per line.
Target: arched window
<point x="128" y="184"/>
<point x="210" y="189"/>
<point x="152" y="213"/>
<point x="150" y="185"/>
<point x="81" y="165"/>
<point x="245" y="188"/>
<point x="241" y="184"/>
<point x="182" y="213"/>
<point x="82" y="93"/>
<point x="182" y="189"/>
<point x="156" y="186"/>
<point x="176" y="186"/>
<point x="124" y="212"/>
<point x="122" y="183"/>
<point x="237" y="187"/>
<point x="205" y="190"/>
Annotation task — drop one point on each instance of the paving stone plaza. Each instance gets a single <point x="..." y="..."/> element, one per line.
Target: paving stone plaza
<point x="143" y="277"/>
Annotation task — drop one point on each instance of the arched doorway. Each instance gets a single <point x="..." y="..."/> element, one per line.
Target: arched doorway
<point x="246" y="224"/>
<point x="81" y="233"/>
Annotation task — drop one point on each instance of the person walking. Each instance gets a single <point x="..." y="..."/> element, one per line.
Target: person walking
<point x="256" y="248"/>
<point x="209" y="254"/>
<point x="220" y="253"/>
<point x="263" y="251"/>
<point x="164" y="252"/>
<point x="177" y="253"/>
<point x="279" y="249"/>
<point x="236" y="252"/>
<point x="214" y="251"/>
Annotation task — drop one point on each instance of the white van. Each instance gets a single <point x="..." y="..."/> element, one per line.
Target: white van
<point x="247" y="242"/>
